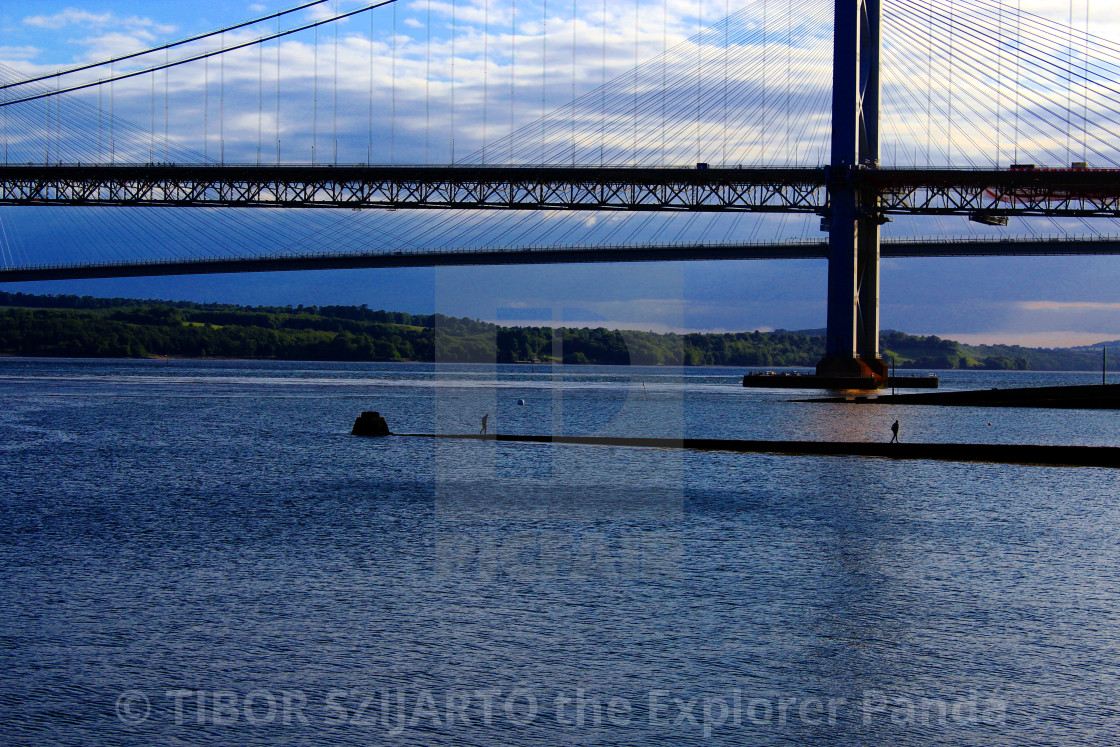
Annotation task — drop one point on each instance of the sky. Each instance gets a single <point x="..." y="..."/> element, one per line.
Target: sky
<point x="494" y="82"/>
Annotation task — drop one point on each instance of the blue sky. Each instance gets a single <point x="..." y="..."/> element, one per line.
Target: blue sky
<point x="502" y="72"/>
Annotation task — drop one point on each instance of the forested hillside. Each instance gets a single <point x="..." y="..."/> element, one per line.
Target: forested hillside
<point x="73" y="326"/>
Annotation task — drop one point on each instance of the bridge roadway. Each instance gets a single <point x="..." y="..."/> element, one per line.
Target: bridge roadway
<point x="987" y="193"/>
<point x="554" y="255"/>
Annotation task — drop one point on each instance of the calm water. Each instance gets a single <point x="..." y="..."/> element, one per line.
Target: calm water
<point x="199" y="553"/>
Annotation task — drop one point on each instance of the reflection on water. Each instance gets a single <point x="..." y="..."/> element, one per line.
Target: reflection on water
<point x="198" y="552"/>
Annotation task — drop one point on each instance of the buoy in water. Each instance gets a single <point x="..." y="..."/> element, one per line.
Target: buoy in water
<point x="521" y="402"/>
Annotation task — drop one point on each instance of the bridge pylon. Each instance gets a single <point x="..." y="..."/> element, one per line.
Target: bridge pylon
<point x="853" y="217"/>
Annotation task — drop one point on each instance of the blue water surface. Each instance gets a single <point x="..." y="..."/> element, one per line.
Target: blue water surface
<point x="198" y="552"/>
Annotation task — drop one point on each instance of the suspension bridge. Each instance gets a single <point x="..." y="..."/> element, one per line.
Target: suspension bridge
<point x="709" y="125"/>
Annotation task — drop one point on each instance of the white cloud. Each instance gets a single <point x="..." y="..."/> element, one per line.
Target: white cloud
<point x="69" y="17"/>
<point x="115" y="43"/>
<point x="94" y="21"/>
<point x="19" y="53"/>
<point x="1068" y="306"/>
<point x="106" y="34"/>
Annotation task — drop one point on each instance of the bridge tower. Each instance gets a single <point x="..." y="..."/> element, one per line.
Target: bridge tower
<point x="853" y="217"/>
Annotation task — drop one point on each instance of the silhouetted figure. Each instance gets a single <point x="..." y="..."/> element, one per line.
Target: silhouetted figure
<point x="894" y="430"/>
<point x="484" y="419"/>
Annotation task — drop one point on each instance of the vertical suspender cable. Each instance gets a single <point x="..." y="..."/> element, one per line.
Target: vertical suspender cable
<point x="635" y="115"/>
<point x="278" y="92"/>
<point x="485" y="72"/>
<point x="575" y="17"/>
<point x="57" y="127"/>
<point x="1018" y="60"/>
<point x="603" y="90"/>
<point x="1085" y="90"/>
<point x="369" y="146"/>
<point x="544" y="72"/>
<point x="999" y="80"/>
<point x="260" y="100"/>
<point x="789" y="78"/>
<point x="315" y="99"/>
<point x="393" y="83"/>
<point x="929" y="94"/>
<point x="112" y="131"/>
<point x="152" y="134"/>
<point x="428" y="86"/>
<point x="512" y="73"/>
<point x="334" y="95"/>
<point x="58" y="124"/>
<point x="949" y="92"/>
<point x="47" y="133"/>
<point x="699" y="68"/>
<point x="222" y="103"/>
<point x="765" y="70"/>
<point x="452" y="126"/>
<point x="1069" y="87"/>
<point x="726" y="47"/>
<point x="664" y="72"/>
<point x="166" y="108"/>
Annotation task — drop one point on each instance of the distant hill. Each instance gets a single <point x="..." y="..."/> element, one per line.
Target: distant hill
<point x="1110" y="344"/>
<point x="934" y="352"/>
<point x="85" y="326"/>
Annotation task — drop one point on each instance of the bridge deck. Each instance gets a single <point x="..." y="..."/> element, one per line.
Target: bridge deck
<point x="1060" y="193"/>
<point x="551" y="255"/>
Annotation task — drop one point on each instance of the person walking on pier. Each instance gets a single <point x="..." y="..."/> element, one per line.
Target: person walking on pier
<point x="894" y="430"/>
<point x="484" y="419"/>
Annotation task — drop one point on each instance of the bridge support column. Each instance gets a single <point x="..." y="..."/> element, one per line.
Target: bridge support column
<point x="867" y="294"/>
<point x="852" y="342"/>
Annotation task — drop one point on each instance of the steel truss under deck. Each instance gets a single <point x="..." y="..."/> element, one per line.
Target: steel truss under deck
<point x="1065" y="193"/>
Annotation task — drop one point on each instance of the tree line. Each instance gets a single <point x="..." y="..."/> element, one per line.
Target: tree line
<point x="84" y="326"/>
